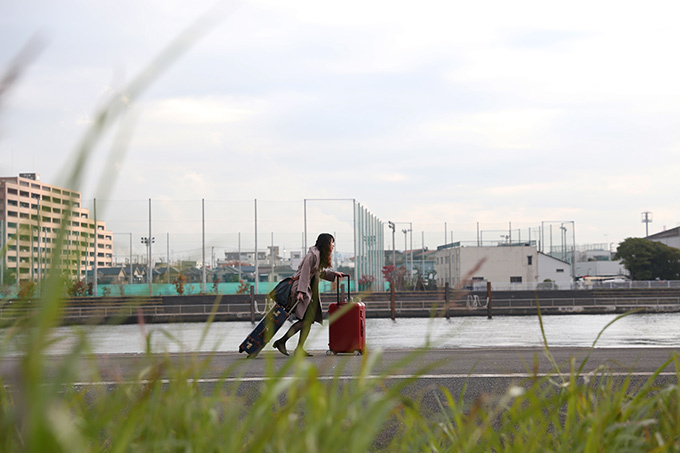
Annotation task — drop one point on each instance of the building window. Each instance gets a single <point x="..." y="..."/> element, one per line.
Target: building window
<point x="559" y="270"/>
<point x="529" y="260"/>
<point x="515" y="279"/>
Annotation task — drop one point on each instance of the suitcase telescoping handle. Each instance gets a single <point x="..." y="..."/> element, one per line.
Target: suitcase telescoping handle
<point x="337" y="287"/>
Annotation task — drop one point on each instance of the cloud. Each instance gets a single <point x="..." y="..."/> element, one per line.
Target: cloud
<point x="499" y="130"/>
<point x="438" y="112"/>
<point x="205" y="111"/>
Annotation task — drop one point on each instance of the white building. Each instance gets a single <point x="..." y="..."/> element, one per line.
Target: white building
<point x="600" y="268"/>
<point x="555" y="270"/>
<point x="669" y="237"/>
<point x="518" y="266"/>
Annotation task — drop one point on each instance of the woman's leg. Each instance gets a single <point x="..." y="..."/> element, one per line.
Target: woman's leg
<point x="295" y="328"/>
<point x="307" y="322"/>
<point x="280" y="344"/>
<point x="303" y="326"/>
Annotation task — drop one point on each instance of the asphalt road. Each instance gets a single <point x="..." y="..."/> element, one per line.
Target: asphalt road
<point x="500" y="366"/>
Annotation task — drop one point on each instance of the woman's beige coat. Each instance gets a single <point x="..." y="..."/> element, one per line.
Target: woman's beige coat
<point x="308" y="284"/>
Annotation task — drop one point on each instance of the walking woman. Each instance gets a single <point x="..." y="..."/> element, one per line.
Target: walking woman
<point x="315" y="265"/>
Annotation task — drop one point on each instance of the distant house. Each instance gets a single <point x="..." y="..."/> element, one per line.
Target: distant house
<point x="138" y="273"/>
<point x="194" y="275"/>
<point x="225" y="274"/>
<point x="109" y="275"/>
<point x="165" y="274"/>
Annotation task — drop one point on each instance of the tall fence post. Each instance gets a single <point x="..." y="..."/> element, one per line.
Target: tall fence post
<point x="393" y="304"/>
<point x="252" y="304"/>
<point x="446" y="299"/>
<point x="488" y="298"/>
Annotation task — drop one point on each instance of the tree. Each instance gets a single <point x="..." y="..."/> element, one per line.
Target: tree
<point x="76" y="288"/>
<point x="243" y="287"/>
<point x="179" y="283"/>
<point x="396" y="276"/>
<point x="649" y="260"/>
<point x="366" y="282"/>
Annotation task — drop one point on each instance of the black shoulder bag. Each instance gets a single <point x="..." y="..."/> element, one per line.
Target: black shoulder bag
<point x="281" y="293"/>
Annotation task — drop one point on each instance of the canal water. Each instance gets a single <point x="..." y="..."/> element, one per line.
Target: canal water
<point x="639" y="330"/>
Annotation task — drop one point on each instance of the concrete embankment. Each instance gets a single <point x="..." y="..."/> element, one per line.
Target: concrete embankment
<point x="198" y="308"/>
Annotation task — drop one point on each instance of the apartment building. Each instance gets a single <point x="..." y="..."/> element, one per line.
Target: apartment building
<point x="32" y="215"/>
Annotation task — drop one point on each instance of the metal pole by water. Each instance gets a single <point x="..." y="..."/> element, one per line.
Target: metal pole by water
<point x="257" y="266"/>
<point x="488" y="296"/>
<point x="203" y="244"/>
<point x="96" y="234"/>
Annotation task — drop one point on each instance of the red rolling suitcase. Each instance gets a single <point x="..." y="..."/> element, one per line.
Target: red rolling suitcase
<point x="348" y="332"/>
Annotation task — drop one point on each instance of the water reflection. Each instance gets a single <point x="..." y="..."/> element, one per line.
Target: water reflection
<point x="462" y="332"/>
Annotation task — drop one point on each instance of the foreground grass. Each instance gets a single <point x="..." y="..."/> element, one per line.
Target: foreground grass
<point x="165" y="409"/>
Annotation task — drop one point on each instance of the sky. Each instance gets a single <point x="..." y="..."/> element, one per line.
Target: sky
<point x="447" y="117"/>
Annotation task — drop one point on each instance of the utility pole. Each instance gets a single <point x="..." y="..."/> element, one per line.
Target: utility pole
<point x="646" y="219"/>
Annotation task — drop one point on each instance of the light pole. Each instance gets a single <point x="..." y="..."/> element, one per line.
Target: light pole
<point x="394" y="256"/>
<point x="147" y="242"/>
<point x="406" y="247"/>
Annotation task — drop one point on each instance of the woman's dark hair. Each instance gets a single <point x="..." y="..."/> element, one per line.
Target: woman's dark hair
<point x="323" y="243"/>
